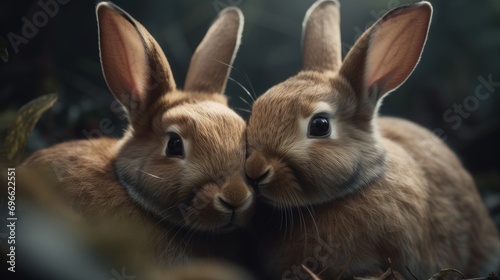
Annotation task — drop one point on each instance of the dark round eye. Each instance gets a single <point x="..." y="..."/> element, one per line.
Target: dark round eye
<point x="175" y="146"/>
<point x="319" y="127"/>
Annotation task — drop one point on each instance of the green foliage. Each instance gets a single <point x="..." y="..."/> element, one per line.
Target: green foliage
<point x="27" y="117"/>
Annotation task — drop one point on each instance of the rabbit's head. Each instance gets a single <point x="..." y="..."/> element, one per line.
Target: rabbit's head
<point x="312" y="138"/>
<point x="182" y="157"/>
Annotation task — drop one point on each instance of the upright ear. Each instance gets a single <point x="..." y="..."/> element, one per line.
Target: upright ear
<point x="386" y="54"/>
<point x="321" y="41"/>
<point x="135" y="68"/>
<point x="210" y="65"/>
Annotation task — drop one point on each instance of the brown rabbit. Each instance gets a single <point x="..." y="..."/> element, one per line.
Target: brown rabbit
<point x="179" y="168"/>
<point x="360" y="188"/>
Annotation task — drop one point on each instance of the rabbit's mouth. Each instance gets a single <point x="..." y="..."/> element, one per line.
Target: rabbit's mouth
<point x="213" y="220"/>
<point x="230" y="226"/>
<point x="208" y="209"/>
<point x="233" y="216"/>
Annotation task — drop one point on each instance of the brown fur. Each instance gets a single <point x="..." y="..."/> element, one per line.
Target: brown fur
<point x="377" y="188"/>
<point x="181" y="203"/>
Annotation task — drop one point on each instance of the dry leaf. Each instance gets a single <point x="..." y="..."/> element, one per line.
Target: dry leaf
<point x="28" y="116"/>
<point x="441" y="275"/>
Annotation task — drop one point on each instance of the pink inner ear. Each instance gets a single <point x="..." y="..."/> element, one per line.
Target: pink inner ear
<point x="395" y="48"/>
<point x="123" y="56"/>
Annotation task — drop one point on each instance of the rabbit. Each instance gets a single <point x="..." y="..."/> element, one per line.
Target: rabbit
<point x="178" y="171"/>
<point x="361" y="189"/>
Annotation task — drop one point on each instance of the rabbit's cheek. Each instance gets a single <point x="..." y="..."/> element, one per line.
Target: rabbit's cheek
<point x="281" y="187"/>
<point x="203" y="213"/>
<point x="199" y="212"/>
<point x="203" y="197"/>
<point x="274" y="180"/>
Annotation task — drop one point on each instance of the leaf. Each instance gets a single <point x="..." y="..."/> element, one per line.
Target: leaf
<point x="7" y="118"/>
<point x="4" y="54"/>
<point x="441" y="275"/>
<point x="27" y="117"/>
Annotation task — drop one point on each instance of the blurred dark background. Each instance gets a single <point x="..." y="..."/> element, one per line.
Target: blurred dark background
<point x="447" y="93"/>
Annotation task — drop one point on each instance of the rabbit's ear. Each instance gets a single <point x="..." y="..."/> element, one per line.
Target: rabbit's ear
<point x="210" y="65"/>
<point x="386" y="54"/>
<point x="135" y="68"/>
<point x="321" y="41"/>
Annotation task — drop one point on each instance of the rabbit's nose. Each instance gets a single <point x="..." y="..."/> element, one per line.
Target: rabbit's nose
<point x="264" y="175"/>
<point x="257" y="168"/>
<point x="261" y="178"/>
<point x="224" y="202"/>
<point x="232" y="205"/>
<point x="235" y="194"/>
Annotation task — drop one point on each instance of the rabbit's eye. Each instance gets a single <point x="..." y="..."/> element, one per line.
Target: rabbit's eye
<point x="175" y="146"/>
<point x="319" y="127"/>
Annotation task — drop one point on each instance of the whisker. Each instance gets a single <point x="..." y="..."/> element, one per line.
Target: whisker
<point x="324" y="269"/>
<point x="250" y="83"/>
<point x="193" y="232"/>
<point x="149" y="174"/>
<point x="163" y="253"/>
<point x="244" y="88"/>
<point x="185" y="217"/>
<point x="243" y="99"/>
<point x="301" y="216"/>
<point x="163" y="218"/>
<point x="244" y="110"/>
<point x="303" y="226"/>
<point x="314" y="222"/>
<point x="241" y="73"/>
<point x="172" y="239"/>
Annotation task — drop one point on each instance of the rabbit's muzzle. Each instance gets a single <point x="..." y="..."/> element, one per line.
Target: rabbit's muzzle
<point x="274" y="179"/>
